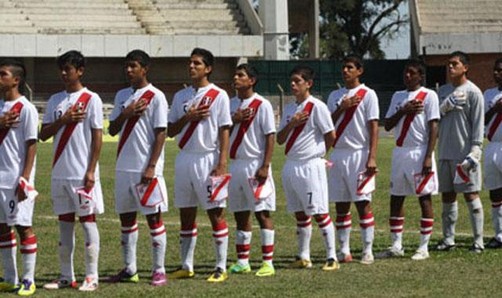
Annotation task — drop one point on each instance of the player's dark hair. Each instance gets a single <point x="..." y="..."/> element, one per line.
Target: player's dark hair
<point x="250" y="71"/>
<point x="498" y="61"/>
<point x="72" y="57"/>
<point x="18" y="70"/>
<point x="139" y="56"/>
<point x="463" y="57"/>
<point x="417" y="64"/>
<point x="207" y="56"/>
<point x="358" y="62"/>
<point x="305" y="71"/>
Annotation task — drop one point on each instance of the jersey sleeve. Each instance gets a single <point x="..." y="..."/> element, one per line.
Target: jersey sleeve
<point x="322" y="119"/>
<point x="224" y="118"/>
<point x="117" y="107"/>
<point x="49" y="112"/>
<point x="160" y="111"/>
<point x="287" y="112"/>
<point x="267" y="119"/>
<point x="392" y="107"/>
<point x="431" y="106"/>
<point x="95" y="112"/>
<point x="477" y="117"/>
<point x="30" y="125"/>
<point x="372" y="111"/>
<point x="175" y="113"/>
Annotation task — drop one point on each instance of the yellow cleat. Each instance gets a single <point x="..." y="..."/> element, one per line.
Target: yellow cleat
<point x="331" y="265"/>
<point x="181" y="274"/>
<point x="27" y="288"/>
<point x="7" y="287"/>
<point x="301" y="264"/>
<point x="266" y="269"/>
<point x="218" y="276"/>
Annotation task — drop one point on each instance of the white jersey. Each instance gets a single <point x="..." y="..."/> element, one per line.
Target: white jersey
<point x="73" y="161"/>
<point x="205" y="136"/>
<point x="252" y="145"/>
<point x="491" y="96"/>
<point x="13" y="145"/>
<point x="355" y="135"/>
<point x="137" y="147"/>
<point x="418" y="131"/>
<point x="310" y="142"/>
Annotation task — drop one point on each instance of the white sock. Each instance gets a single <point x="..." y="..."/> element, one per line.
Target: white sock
<point x="304" y="233"/>
<point x="497" y="219"/>
<point x="267" y="245"/>
<point x="477" y="220"/>
<point x="343" y="229"/>
<point x="158" y="236"/>
<point x="425" y="233"/>
<point x="396" y="231"/>
<point x="327" y="230"/>
<point x="243" y="246"/>
<point x="129" y="239"/>
<point x="188" y="240"/>
<point x="91" y="236"/>
<point x="8" y="248"/>
<point x="29" y="256"/>
<point x="66" y="248"/>
<point x="367" y="224"/>
<point x="449" y="217"/>
<point x="220" y="240"/>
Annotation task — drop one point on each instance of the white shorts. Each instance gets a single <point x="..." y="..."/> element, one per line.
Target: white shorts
<point x="446" y="176"/>
<point x="14" y="213"/>
<point x="406" y="163"/>
<point x="191" y="174"/>
<point x="65" y="200"/>
<point x="125" y="199"/>
<point x="493" y="165"/>
<point x="240" y="194"/>
<point x="347" y="164"/>
<point x="305" y="186"/>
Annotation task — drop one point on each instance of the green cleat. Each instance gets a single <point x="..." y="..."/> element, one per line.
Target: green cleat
<point x="27" y="288"/>
<point x="266" y="269"/>
<point x="7" y="287"/>
<point x="238" y="268"/>
<point x="218" y="276"/>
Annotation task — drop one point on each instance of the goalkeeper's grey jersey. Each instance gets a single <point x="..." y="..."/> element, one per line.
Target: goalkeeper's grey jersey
<point x="459" y="129"/>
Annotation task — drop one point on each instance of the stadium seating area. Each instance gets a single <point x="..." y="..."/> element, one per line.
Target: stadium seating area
<point x="172" y="17"/>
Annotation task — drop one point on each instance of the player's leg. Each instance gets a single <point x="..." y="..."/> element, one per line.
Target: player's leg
<point x="304" y="234"/>
<point x="66" y="250"/>
<point x="267" y="235"/>
<point x="8" y="249"/>
<point x="327" y="230"/>
<point x="242" y="242"/>
<point x="158" y="236"/>
<point x="220" y="240"/>
<point x="92" y="245"/>
<point x="188" y="240"/>
<point x="426" y="223"/>
<point x="477" y="220"/>
<point x="343" y="229"/>
<point x="367" y="224"/>
<point x="29" y="257"/>
<point x="396" y="224"/>
<point x="496" y="200"/>
<point x="129" y="240"/>
<point x="449" y="214"/>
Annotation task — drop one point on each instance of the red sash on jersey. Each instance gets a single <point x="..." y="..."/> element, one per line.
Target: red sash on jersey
<point x="308" y="109"/>
<point x="208" y="100"/>
<point x="81" y="103"/>
<point x="131" y="122"/>
<point x="243" y="127"/>
<point x="408" y="120"/>
<point x="16" y="108"/>
<point x="494" y="126"/>
<point x="348" y="116"/>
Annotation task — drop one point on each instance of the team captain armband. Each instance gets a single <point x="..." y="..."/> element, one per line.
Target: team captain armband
<point x="424" y="184"/>
<point x="261" y="190"/>
<point x="365" y="183"/>
<point x="28" y="189"/>
<point x="85" y="199"/>
<point x="217" y="187"/>
<point x="151" y="194"/>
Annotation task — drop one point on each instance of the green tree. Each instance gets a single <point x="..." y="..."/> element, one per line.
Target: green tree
<point x="358" y="26"/>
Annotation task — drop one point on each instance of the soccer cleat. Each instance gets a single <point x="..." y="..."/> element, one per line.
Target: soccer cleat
<point x="61" y="284"/>
<point x="494" y="243"/>
<point x="7" y="286"/>
<point x="238" y="268"/>
<point x="443" y="246"/>
<point x="367" y="258"/>
<point x="89" y="285"/>
<point x="331" y="265"/>
<point x="475" y="248"/>
<point x="26" y="288"/>
<point x="218" y="276"/>
<point x="266" y="269"/>
<point x="181" y="273"/>
<point x="390" y="252"/>
<point x="159" y="279"/>
<point x="124" y="276"/>
<point x="301" y="264"/>
<point x="344" y="258"/>
<point x="420" y="255"/>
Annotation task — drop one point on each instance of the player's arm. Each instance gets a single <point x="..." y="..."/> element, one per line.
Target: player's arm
<point x="298" y="119"/>
<point x="497" y="108"/>
<point x="158" y="143"/>
<point x="49" y="130"/>
<point x="31" y="151"/>
<point x="431" y="144"/>
<point x="193" y="114"/>
<point x="224" y="140"/>
<point x="344" y="104"/>
<point x="262" y="172"/>
<point x="477" y="121"/>
<point x="329" y="139"/>
<point x="9" y="119"/>
<point x="135" y="108"/>
<point x="96" y="144"/>
<point x="411" y="107"/>
<point x="371" y="166"/>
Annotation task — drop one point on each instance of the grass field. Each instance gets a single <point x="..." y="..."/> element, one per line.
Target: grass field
<point x="454" y="274"/>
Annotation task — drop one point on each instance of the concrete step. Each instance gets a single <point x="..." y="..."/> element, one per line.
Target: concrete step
<point x="89" y="24"/>
<point x="75" y="5"/>
<point x="16" y="29"/>
<point x="197" y="5"/>
<point x="80" y="11"/>
<point x="207" y="14"/>
<point x="91" y="30"/>
<point x="194" y="31"/>
<point x="88" y="17"/>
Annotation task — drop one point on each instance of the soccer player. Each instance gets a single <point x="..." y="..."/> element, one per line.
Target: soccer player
<point x="140" y="118"/>
<point x="354" y="111"/>
<point x="18" y="145"/>
<point x="460" y="139"/>
<point x="414" y="113"/>
<point x="74" y="117"/>
<point x="200" y="118"/>
<point x="493" y="160"/>
<point x="308" y="132"/>
<point x="251" y="148"/>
